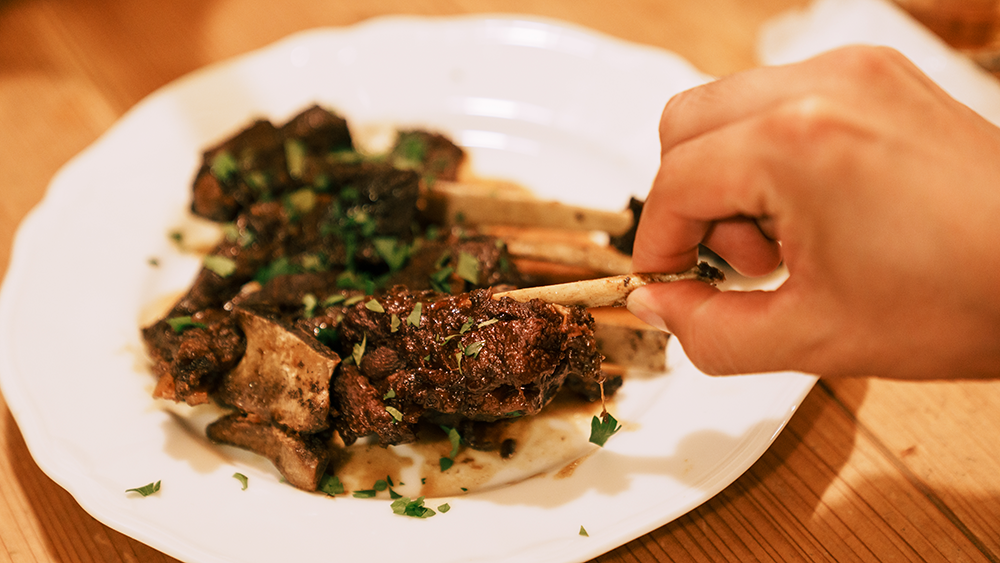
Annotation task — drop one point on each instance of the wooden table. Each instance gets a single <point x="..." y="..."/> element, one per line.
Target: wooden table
<point x="867" y="469"/>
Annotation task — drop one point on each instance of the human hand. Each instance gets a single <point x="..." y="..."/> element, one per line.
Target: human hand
<point x="884" y="193"/>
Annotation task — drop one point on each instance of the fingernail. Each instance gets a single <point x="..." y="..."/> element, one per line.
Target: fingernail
<point x="639" y="306"/>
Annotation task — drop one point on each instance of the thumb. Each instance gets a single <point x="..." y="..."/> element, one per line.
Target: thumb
<point x="722" y="332"/>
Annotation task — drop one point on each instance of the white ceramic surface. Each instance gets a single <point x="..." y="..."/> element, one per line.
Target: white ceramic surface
<point x="568" y="112"/>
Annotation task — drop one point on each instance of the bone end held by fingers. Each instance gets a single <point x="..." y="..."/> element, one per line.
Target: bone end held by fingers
<point x="611" y="291"/>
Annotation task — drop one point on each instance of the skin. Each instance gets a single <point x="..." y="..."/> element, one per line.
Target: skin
<point x="878" y="191"/>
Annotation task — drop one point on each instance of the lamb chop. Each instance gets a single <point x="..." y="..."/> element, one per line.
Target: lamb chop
<point x="467" y="356"/>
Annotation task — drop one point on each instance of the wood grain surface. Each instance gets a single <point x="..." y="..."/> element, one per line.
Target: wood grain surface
<point x="867" y="470"/>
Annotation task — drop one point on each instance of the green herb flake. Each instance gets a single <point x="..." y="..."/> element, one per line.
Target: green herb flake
<point x="365" y="493"/>
<point x="381" y="485"/>
<point x="375" y="306"/>
<point x="146" y="490"/>
<point x="224" y="166"/>
<point x="153" y="262"/>
<point x="414" y="318"/>
<point x="583" y="532"/>
<point x="393" y="251"/>
<point x="446" y="463"/>
<point x="177" y="237"/>
<point x="331" y="485"/>
<point x="394" y="412"/>
<point x="359" y="350"/>
<point x="444" y="508"/>
<point x="180" y="324"/>
<point x="474" y="348"/>
<point x="467" y="268"/>
<point x="454" y="438"/>
<point x="334" y="299"/>
<point x="467" y="326"/>
<point x="244" y="481"/>
<point x="487" y="323"/>
<point x="394" y="323"/>
<point x="309" y="303"/>
<point x="414" y="508"/>
<point x="353" y="300"/>
<point x="295" y="155"/>
<point x="301" y="201"/>
<point x="220" y="265"/>
<point x="603" y="428"/>
<point x="394" y="495"/>
<point x="439" y="279"/>
<point x="390" y="395"/>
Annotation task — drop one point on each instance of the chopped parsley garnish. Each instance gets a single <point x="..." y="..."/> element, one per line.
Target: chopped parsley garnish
<point x="467" y="268"/>
<point x="474" y="348"/>
<point x="153" y="262"/>
<point x="334" y="299"/>
<point x="374" y="306"/>
<point x="583" y="532"/>
<point x="414" y="318"/>
<point x="353" y="300"/>
<point x="391" y="394"/>
<point x="456" y="440"/>
<point x="603" y="428"/>
<point x="365" y="493"/>
<point x="467" y="326"/>
<point x="359" y="350"/>
<point x="221" y="265"/>
<point x="394" y="412"/>
<point x="381" y="485"/>
<point x="393" y="251"/>
<point x="235" y="235"/>
<point x="244" y="481"/>
<point x="394" y="323"/>
<point x="148" y="489"/>
<point x="309" y="303"/>
<point x="180" y="324"/>
<point x="295" y="155"/>
<point x="224" y="166"/>
<point x="444" y="508"/>
<point x="439" y="279"/>
<point x="414" y="508"/>
<point x="300" y="202"/>
<point x="446" y="463"/>
<point x="487" y="323"/>
<point x="331" y="485"/>
<point x="280" y="267"/>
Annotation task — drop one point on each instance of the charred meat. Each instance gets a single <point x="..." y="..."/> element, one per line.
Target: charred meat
<point x="466" y="355"/>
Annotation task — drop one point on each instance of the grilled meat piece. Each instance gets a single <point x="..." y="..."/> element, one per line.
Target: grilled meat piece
<point x="300" y="458"/>
<point x="263" y="162"/>
<point x="190" y="359"/>
<point x="468" y="355"/>
<point x="433" y="155"/>
<point x="458" y="263"/>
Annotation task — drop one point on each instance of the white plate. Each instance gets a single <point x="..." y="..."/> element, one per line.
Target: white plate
<point x="570" y="113"/>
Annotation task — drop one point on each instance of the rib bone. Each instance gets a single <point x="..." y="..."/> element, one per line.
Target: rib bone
<point x="481" y="203"/>
<point x="608" y="292"/>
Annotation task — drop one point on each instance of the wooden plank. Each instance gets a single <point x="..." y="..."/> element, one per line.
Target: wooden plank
<point x="821" y="493"/>
<point x="944" y="437"/>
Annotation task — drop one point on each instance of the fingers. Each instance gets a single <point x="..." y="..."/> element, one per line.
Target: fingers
<point x="723" y="333"/>
<point x="711" y="189"/>
<point x="716" y="104"/>
<point x="744" y="246"/>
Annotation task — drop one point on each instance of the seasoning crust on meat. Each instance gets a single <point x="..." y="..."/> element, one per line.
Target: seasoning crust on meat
<point x="332" y="307"/>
